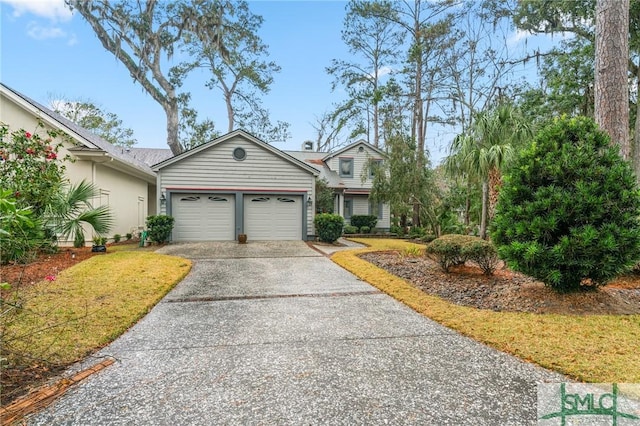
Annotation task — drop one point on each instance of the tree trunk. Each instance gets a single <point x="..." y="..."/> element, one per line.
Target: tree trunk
<point x="635" y="149"/>
<point x="173" y="120"/>
<point x="611" y="67"/>
<point x="485" y="207"/>
<point x="495" y="181"/>
<point x="230" y="114"/>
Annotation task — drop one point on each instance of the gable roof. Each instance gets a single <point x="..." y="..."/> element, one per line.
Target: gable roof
<point x="315" y="160"/>
<point x="89" y="143"/>
<point x="353" y="145"/>
<point x="232" y="135"/>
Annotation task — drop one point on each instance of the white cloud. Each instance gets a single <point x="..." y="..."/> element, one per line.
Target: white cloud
<point x="39" y="32"/>
<point x="383" y="71"/>
<point x="55" y="10"/>
<point x="518" y="36"/>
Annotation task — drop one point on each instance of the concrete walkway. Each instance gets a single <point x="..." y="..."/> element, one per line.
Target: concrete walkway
<point x="287" y="337"/>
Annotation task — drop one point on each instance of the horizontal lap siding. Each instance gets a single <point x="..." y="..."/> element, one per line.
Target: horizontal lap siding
<point x="216" y="168"/>
<point x="360" y="163"/>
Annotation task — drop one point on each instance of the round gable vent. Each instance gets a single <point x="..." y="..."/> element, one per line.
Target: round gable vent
<point x="239" y="154"/>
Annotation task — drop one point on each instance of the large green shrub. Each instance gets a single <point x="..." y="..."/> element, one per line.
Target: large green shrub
<point x="364" y="220"/>
<point x="328" y="226"/>
<point x="21" y="235"/>
<point x="159" y="228"/>
<point x="568" y="213"/>
<point x="454" y="249"/>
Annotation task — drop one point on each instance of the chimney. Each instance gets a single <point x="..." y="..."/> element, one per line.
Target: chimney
<point x="307" y="146"/>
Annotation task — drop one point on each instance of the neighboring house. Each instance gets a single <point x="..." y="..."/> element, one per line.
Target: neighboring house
<point x="235" y="184"/>
<point x="126" y="184"/>
<point x="348" y="172"/>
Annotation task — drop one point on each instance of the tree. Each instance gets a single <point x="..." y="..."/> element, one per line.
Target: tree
<point x="611" y="65"/>
<point x="375" y="41"/>
<point x="569" y="210"/>
<point x="400" y="181"/>
<point x="143" y="37"/>
<point x="86" y="114"/>
<point x="325" y="197"/>
<point x="486" y="149"/>
<point x="578" y="17"/>
<point x="241" y="71"/>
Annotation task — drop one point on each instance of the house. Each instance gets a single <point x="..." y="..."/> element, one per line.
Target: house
<point x="126" y="184"/>
<point x="348" y="172"/>
<point x="236" y="184"/>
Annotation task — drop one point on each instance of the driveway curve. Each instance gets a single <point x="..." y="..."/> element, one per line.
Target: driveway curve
<point x="275" y="333"/>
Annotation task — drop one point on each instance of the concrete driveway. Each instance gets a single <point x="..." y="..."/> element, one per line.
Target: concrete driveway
<point x="275" y="333"/>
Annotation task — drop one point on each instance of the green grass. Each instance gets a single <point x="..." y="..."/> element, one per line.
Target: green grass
<point x="91" y="303"/>
<point x="594" y="348"/>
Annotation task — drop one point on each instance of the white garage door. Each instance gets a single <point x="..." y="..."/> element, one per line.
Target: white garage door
<point x="273" y="217"/>
<point x="203" y="217"/>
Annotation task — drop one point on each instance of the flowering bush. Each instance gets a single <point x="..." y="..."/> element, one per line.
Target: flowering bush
<point x="30" y="167"/>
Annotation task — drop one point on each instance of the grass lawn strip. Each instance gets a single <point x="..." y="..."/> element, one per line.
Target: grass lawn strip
<point x="594" y="348"/>
<point x="92" y="303"/>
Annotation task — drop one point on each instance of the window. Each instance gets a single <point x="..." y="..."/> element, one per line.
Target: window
<point x="375" y="209"/>
<point x="346" y="167"/>
<point x="348" y="208"/>
<point x="373" y="166"/>
<point x="239" y="154"/>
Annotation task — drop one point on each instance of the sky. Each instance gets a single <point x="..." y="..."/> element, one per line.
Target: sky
<point x="46" y="52"/>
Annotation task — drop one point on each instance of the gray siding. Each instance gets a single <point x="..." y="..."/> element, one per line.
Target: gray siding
<point x="215" y="168"/>
<point x="360" y="160"/>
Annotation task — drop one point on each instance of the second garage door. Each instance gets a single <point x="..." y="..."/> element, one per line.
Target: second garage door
<point x="273" y="217"/>
<point x="203" y="217"/>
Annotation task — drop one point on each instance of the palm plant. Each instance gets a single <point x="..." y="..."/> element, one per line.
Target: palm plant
<point x="486" y="150"/>
<point x="70" y="210"/>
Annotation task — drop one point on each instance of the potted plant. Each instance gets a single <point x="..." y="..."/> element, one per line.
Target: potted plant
<point x="242" y="238"/>
<point x="99" y="244"/>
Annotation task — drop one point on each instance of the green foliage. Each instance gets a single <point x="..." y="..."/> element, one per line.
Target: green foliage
<point x="21" y="234"/>
<point x="159" y="228"/>
<point x="128" y="236"/>
<point x="350" y="229"/>
<point x="99" y="240"/>
<point x="365" y="229"/>
<point x="324" y="197"/>
<point x="86" y="114"/>
<point x="417" y="232"/>
<point x="453" y="249"/>
<point x="30" y="167"/>
<point x="328" y="226"/>
<point x="397" y="229"/>
<point x="568" y="214"/>
<point x="359" y="221"/>
<point x="411" y="251"/>
<point x="117" y="238"/>
<point x="69" y="210"/>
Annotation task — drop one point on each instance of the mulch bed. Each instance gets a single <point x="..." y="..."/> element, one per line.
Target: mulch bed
<point x="506" y="290"/>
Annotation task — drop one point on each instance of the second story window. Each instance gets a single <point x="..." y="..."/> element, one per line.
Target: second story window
<point x="346" y="167"/>
<point x="373" y="166"/>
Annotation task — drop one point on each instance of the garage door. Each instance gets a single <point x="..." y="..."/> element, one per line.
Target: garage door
<point x="203" y="217"/>
<point x="273" y="217"/>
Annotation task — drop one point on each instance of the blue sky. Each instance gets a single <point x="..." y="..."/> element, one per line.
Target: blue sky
<point x="47" y="52"/>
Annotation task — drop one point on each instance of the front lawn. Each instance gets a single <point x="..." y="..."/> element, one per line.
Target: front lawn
<point x="590" y="348"/>
<point x="86" y="307"/>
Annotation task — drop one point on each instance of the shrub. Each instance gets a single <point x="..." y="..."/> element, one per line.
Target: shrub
<point x="21" y="235"/>
<point x="454" y="249"/>
<point x="412" y="251"/>
<point x="128" y="235"/>
<point x="117" y="238"/>
<point x="428" y="238"/>
<point x="398" y="230"/>
<point x="364" y="220"/>
<point x="568" y="213"/>
<point x="328" y="226"/>
<point x="350" y="229"/>
<point x="416" y="232"/>
<point x="365" y="229"/>
<point x="159" y="228"/>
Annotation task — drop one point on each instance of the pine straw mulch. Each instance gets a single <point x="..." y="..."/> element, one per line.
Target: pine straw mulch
<point x="507" y="290"/>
